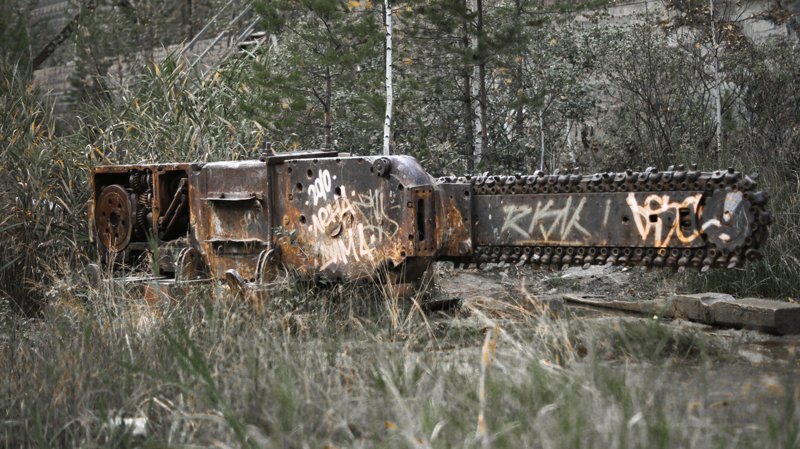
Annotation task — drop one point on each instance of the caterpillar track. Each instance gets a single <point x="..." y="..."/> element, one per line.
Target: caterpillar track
<point x="339" y="217"/>
<point x="711" y="219"/>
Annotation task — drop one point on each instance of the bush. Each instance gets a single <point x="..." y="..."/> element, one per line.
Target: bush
<point x="43" y="185"/>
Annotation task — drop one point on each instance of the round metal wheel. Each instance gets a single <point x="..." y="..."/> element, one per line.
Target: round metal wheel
<point x="728" y="220"/>
<point x="113" y="218"/>
<point x="382" y="166"/>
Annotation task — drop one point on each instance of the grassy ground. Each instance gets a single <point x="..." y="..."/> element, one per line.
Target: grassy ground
<point x="352" y="367"/>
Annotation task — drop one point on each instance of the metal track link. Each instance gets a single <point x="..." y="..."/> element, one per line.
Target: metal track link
<point x="651" y="180"/>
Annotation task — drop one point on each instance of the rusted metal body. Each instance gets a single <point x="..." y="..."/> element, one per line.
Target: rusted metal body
<point x="339" y="217"/>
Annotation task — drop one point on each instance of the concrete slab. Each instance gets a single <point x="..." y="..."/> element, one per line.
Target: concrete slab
<point x="766" y="315"/>
<point x="716" y="309"/>
<point x="695" y="307"/>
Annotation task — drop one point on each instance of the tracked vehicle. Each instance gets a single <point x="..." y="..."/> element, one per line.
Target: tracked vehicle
<point x="339" y="217"/>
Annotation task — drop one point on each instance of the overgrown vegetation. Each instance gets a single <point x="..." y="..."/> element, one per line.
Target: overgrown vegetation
<point x="353" y="366"/>
<point x="349" y="367"/>
<point x="610" y="97"/>
<point x="42" y="187"/>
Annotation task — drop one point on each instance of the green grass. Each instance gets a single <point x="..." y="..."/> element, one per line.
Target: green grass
<point x="650" y="340"/>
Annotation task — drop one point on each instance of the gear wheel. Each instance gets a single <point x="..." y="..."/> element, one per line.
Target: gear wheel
<point x="141" y="219"/>
<point x="113" y="218"/>
<point x="139" y="181"/>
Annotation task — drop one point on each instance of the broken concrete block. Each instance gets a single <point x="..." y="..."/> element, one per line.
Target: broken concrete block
<point x="642" y="307"/>
<point x="696" y="307"/>
<point x="766" y="315"/>
<point x="719" y="309"/>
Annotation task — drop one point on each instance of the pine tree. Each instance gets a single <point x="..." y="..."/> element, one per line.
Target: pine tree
<point x="321" y="76"/>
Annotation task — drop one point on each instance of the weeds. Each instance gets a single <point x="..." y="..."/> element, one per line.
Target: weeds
<point x="168" y="114"/>
<point x="172" y="113"/>
<point x="42" y="190"/>
<point x="333" y="369"/>
<point x="307" y="366"/>
<point x="654" y="341"/>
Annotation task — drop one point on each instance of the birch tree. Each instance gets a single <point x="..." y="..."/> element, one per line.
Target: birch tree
<point x="387" y="122"/>
<point x="717" y="88"/>
<point x="476" y="82"/>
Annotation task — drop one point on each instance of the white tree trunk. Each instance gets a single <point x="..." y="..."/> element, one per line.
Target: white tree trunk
<point x="541" y="136"/>
<point x="387" y="122"/>
<point x="477" y="128"/>
<point x="717" y="85"/>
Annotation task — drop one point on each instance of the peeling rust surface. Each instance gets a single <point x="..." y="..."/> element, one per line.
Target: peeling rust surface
<point x="340" y="217"/>
<point x="341" y="220"/>
<point x="229" y="219"/>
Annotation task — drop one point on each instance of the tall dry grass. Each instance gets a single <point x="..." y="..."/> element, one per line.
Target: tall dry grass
<point x="312" y="367"/>
<point x="342" y="366"/>
<point x="174" y="112"/>
<point x="168" y="114"/>
<point x="42" y="190"/>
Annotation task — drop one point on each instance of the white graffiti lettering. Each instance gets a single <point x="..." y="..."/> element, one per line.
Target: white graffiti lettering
<point x="321" y="187"/>
<point x="372" y="207"/>
<point x="649" y="218"/>
<point x="351" y="244"/>
<point x="335" y="211"/>
<point x="346" y="226"/>
<point x="545" y="223"/>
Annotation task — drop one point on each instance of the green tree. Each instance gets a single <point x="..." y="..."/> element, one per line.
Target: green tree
<point x="320" y="77"/>
<point x="542" y="104"/>
<point x="14" y="38"/>
<point x="473" y="83"/>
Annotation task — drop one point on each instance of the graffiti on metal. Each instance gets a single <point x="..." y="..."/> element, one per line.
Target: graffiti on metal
<point x="346" y="226"/>
<point x="546" y="222"/>
<point x="341" y="217"/>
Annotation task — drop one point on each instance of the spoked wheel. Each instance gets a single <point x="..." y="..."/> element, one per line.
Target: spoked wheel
<point x="113" y="218"/>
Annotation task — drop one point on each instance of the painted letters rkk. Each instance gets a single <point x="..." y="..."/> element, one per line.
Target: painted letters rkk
<point x="339" y="217"/>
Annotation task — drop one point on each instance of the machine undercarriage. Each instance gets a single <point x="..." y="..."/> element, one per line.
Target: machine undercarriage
<point x="336" y="217"/>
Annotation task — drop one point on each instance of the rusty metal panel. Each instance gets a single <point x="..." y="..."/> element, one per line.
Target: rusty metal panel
<point x="454" y="220"/>
<point x="422" y="208"/>
<point x="228" y="219"/>
<point x="338" y="219"/>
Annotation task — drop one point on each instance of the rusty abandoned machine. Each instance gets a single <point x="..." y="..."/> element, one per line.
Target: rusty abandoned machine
<point x="340" y="217"/>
